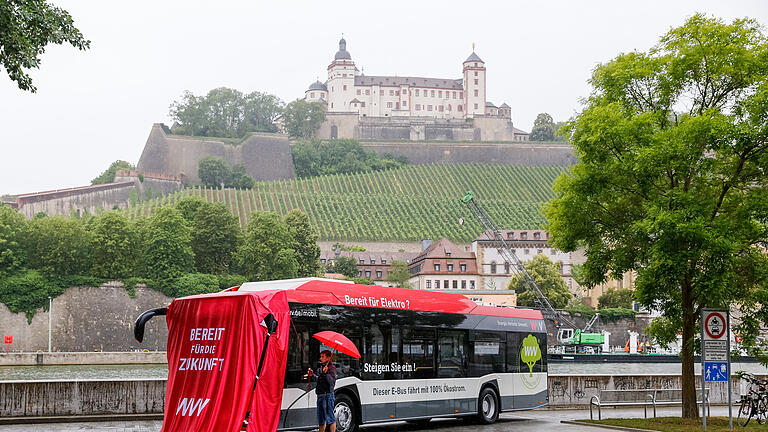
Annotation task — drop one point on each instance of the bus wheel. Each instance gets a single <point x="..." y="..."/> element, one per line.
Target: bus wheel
<point x="488" y="406"/>
<point x="345" y="414"/>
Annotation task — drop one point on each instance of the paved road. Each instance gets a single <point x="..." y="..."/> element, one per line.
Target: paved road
<point x="524" y="422"/>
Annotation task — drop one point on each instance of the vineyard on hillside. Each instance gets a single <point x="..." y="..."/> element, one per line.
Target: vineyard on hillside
<point x="405" y="204"/>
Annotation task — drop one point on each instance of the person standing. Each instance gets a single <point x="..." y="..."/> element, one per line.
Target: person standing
<point x="326" y="381"/>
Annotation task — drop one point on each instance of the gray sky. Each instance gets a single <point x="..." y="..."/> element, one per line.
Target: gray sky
<point x="96" y="106"/>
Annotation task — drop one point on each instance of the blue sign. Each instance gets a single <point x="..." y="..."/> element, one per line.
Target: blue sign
<point x="715" y="371"/>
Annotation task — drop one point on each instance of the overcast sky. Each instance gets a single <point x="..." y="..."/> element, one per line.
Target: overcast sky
<point x="93" y="107"/>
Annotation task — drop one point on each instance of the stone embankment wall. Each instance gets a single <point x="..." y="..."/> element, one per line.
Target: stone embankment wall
<point x="264" y="156"/>
<point x="103" y="397"/>
<point x="89" y="319"/>
<point x="510" y="153"/>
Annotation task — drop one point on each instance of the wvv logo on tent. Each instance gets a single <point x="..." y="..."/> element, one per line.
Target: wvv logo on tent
<point x="187" y="406"/>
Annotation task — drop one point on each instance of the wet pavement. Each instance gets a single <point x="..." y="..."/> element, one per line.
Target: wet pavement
<point x="524" y="421"/>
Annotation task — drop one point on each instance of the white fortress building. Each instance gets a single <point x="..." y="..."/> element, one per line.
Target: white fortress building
<point x="374" y="106"/>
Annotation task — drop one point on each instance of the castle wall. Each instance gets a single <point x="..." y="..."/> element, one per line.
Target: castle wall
<point x="90" y="319"/>
<point x="89" y="198"/>
<point x="508" y="153"/>
<point x="265" y="156"/>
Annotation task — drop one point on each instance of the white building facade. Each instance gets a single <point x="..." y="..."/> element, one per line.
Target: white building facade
<point x="349" y="91"/>
<point x="494" y="273"/>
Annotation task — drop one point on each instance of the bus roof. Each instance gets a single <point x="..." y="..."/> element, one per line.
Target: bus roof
<point x="344" y="293"/>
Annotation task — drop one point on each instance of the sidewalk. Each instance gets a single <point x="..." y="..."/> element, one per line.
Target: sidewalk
<point x="524" y="421"/>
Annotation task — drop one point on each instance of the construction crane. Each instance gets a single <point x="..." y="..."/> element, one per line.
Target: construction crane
<point x="566" y="334"/>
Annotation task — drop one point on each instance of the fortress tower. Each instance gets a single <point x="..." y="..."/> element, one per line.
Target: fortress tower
<point x="474" y="85"/>
<point x="341" y="80"/>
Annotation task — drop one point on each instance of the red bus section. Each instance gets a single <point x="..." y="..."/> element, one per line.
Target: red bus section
<point x="372" y="296"/>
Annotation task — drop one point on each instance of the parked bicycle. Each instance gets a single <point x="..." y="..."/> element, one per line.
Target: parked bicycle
<point x="753" y="404"/>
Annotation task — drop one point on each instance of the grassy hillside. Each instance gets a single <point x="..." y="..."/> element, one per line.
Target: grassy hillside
<point x="406" y="204"/>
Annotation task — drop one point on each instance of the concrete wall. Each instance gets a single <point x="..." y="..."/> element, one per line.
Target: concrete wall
<point x="521" y="153"/>
<point x="94" y="397"/>
<point x="264" y="156"/>
<point x="82" y="397"/>
<point x="89" y="319"/>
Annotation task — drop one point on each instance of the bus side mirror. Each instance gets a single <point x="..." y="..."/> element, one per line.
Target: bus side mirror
<point x="138" y="328"/>
<point x="270" y="323"/>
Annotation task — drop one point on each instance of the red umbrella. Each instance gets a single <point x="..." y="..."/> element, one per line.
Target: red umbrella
<point x="338" y="341"/>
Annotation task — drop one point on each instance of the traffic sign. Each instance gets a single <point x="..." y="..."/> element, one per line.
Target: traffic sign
<point x="716" y="371"/>
<point x="714" y="325"/>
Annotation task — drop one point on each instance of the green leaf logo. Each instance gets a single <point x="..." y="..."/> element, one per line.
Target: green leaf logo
<point x="530" y="352"/>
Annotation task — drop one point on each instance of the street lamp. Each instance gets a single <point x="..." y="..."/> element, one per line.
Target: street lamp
<point x="50" y="316"/>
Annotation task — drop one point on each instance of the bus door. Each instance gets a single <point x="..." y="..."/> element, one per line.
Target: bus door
<point x="418" y="389"/>
<point x="297" y="408"/>
<point x="451" y="367"/>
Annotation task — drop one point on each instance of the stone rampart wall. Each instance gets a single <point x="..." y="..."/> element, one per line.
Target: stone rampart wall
<point x="89" y="319"/>
<point x="264" y="156"/>
<point x="528" y="153"/>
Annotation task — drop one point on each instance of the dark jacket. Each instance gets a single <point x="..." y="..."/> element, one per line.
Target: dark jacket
<point x="326" y="381"/>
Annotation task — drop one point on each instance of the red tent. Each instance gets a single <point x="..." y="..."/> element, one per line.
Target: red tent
<point x="215" y="342"/>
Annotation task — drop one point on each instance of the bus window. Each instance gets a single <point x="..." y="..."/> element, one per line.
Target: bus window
<point x="489" y="352"/>
<point x="513" y="352"/>
<point x="419" y="351"/>
<point x="298" y="355"/>
<point x="345" y="365"/>
<point x="379" y="351"/>
<point x="451" y="349"/>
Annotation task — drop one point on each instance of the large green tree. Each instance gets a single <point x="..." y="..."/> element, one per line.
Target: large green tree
<point x="58" y="246"/>
<point x="167" y="252"/>
<point x="671" y="180"/>
<point x="226" y="112"/>
<point x="543" y="128"/>
<point x="345" y="265"/>
<point x="301" y="119"/>
<point x="213" y="171"/>
<point x="305" y="243"/>
<point x="13" y="229"/>
<point x="26" y="28"/>
<point x="398" y="274"/>
<point x="114" y="246"/>
<point x="215" y="238"/>
<point x="547" y="276"/>
<point x="315" y="157"/>
<point x="267" y="252"/>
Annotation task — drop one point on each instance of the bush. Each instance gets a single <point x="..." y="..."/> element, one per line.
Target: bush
<point x="194" y="283"/>
<point x="59" y="246"/>
<point x="229" y="281"/>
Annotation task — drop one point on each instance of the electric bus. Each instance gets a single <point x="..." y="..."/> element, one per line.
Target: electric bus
<point x="424" y="354"/>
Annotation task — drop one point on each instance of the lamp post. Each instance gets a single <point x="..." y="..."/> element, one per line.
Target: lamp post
<point x="50" y="316"/>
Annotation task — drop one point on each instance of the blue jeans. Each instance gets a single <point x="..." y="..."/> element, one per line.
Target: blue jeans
<point x="325" y="404"/>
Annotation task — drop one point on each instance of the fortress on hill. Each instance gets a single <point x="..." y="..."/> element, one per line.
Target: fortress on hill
<point x="410" y="108"/>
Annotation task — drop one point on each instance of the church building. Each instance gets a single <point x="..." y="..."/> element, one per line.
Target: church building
<point x="349" y="91"/>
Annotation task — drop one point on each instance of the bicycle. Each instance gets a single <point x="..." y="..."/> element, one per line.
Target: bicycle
<point x="755" y="402"/>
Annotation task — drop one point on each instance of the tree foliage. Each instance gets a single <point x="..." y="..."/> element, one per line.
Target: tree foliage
<point x="671" y="180"/>
<point x="305" y="243"/>
<point x="28" y="26"/>
<point x="215" y="172"/>
<point x="616" y="299"/>
<point x="543" y="128"/>
<point x="345" y="265"/>
<point x="226" y="112"/>
<point x="215" y="238"/>
<point x="114" y="246"/>
<point x="59" y="246"/>
<point x="13" y="230"/>
<point x="268" y="251"/>
<point x="547" y="276"/>
<point x="301" y="119"/>
<point x="108" y="176"/>
<point x="399" y="274"/>
<point x="339" y="156"/>
<point x="167" y="249"/>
